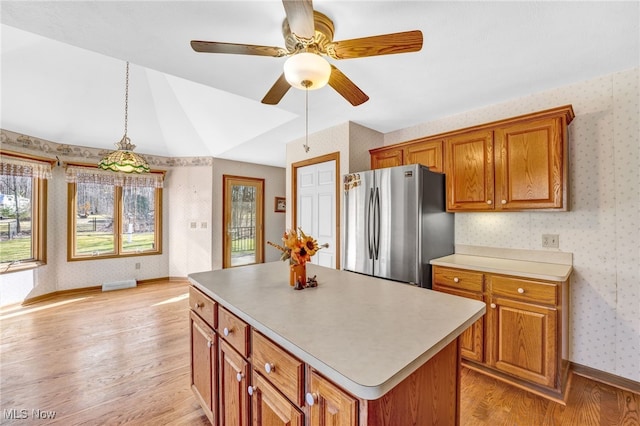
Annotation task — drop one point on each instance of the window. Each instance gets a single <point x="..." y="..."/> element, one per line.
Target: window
<point x="113" y="215"/>
<point x="23" y="212"/>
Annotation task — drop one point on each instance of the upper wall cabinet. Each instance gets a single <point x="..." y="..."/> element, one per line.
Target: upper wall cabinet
<point x="427" y="152"/>
<point x="514" y="164"/>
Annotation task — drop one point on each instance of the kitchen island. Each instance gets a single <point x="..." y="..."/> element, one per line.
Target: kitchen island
<point x="390" y="347"/>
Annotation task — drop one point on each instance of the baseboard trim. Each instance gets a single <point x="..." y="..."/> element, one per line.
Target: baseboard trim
<point x="606" y="378"/>
<point x="91" y="289"/>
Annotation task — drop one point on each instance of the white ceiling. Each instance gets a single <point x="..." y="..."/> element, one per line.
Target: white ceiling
<point x="63" y="68"/>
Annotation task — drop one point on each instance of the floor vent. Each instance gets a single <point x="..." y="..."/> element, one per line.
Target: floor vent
<point x="118" y="285"/>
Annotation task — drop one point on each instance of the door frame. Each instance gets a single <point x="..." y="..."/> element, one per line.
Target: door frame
<point x="294" y="194"/>
<point x="259" y="248"/>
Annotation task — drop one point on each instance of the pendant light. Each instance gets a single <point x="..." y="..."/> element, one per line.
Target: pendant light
<point x="123" y="159"/>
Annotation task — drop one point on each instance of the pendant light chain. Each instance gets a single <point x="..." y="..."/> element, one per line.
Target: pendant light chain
<point x="123" y="159"/>
<point x="126" y="101"/>
<point x="306" y="120"/>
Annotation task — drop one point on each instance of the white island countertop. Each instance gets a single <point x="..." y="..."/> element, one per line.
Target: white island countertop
<point x="365" y="334"/>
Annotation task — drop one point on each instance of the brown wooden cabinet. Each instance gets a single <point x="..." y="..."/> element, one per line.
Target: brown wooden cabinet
<point x="523" y="333"/>
<point x="234" y="374"/>
<point x="270" y="407"/>
<point x="204" y="361"/>
<point x="531" y="165"/>
<point x="470" y="171"/>
<point x="427" y="152"/>
<point x="329" y="405"/>
<point x="241" y="377"/>
<point x="470" y="285"/>
<point x="387" y="158"/>
<point x="516" y="167"/>
<point x="516" y="164"/>
<point x="523" y="339"/>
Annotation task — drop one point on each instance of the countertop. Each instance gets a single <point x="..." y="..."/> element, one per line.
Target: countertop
<point x="550" y="266"/>
<point x="365" y="334"/>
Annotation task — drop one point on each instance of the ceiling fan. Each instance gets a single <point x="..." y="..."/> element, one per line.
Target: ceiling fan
<point x="308" y="36"/>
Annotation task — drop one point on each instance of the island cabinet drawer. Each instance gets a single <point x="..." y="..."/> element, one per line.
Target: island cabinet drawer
<point x="458" y="278"/>
<point x="523" y="289"/>
<point x="234" y="330"/>
<point x="203" y="306"/>
<point x="283" y="370"/>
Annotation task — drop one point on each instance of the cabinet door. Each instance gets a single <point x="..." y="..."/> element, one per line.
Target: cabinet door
<point x="387" y="158"/>
<point x="234" y="380"/>
<point x="472" y="339"/>
<point x="270" y="407"/>
<point x="470" y="171"/>
<point x="530" y="165"/>
<point x="523" y="340"/>
<point x="427" y="153"/>
<point x="203" y="365"/>
<point x="331" y="406"/>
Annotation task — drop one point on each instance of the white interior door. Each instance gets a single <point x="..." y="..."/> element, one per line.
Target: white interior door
<point x="316" y="208"/>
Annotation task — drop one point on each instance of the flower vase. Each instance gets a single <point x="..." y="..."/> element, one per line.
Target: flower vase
<point x="297" y="274"/>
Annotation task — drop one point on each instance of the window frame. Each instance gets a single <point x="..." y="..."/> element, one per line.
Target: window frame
<point x="39" y="203"/>
<point x="117" y="222"/>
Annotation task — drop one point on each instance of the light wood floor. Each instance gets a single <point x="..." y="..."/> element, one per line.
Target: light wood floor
<point x="122" y="357"/>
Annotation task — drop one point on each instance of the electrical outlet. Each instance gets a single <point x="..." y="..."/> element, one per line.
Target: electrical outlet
<point x="550" y="240"/>
<point x="138" y="265"/>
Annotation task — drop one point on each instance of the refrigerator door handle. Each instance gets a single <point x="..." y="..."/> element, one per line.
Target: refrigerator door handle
<point x="376" y="221"/>
<point x="368" y="236"/>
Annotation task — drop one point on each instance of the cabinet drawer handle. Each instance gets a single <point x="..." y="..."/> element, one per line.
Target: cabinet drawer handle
<point x="493" y="305"/>
<point x="521" y="290"/>
<point x="268" y="367"/>
<point x="456" y="280"/>
<point x="199" y="305"/>
<point x="251" y="390"/>
<point x="227" y="331"/>
<point x="209" y="344"/>
<point x="311" y="398"/>
<point x="239" y="376"/>
<point x="504" y="201"/>
<point x="489" y="202"/>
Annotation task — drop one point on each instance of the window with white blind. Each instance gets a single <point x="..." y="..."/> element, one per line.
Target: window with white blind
<point x="23" y="211"/>
<point x="113" y="214"/>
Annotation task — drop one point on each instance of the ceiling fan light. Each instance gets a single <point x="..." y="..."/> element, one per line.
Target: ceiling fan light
<point x="305" y="67"/>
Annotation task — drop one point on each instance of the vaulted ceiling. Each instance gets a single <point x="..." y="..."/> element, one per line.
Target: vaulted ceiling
<point x="63" y="68"/>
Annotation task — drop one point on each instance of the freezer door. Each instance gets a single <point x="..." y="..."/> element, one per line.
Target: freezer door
<point x="358" y="202"/>
<point x="397" y="226"/>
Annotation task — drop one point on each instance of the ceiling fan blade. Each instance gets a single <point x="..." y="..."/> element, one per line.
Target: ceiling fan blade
<point x="277" y="91"/>
<point x="239" y="49"/>
<point x="346" y="87"/>
<point x="300" y="17"/>
<point x="387" y="44"/>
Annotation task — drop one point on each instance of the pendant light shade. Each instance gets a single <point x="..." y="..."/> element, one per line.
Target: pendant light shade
<point x="124" y="159"/>
<point x="307" y="71"/>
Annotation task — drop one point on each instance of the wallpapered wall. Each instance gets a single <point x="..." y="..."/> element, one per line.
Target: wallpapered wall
<point x="602" y="228"/>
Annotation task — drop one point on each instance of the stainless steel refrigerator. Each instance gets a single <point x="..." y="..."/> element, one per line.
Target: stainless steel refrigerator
<point x="395" y="222"/>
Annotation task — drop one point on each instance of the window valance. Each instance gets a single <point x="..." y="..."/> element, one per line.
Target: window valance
<point x="78" y="174"/>
<point x="25" y="167"/>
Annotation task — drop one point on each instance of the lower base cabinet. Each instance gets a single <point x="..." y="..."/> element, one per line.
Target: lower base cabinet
<point x="204" y="359"/>
<point x="271" y="387"/>
<point x="270" y="407"/>
<point x="522" y="339"/>
<point x="329" y="404"/>
<point x="234" y="374"/>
